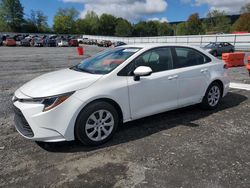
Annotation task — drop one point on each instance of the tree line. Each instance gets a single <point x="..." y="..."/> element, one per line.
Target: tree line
<point x="66" y="21"/>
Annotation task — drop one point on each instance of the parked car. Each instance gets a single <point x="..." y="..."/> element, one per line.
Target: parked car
<point x="50" y="42"/>
<point x="86" y="102"/>
<point x="63" y="43"/>
<point x="73" y="43"/>
<point x="82" y="40"/>
<point x="9" y="42"/>
<point x="118" y="43"/>
<point x="26" y="42"/>
<point x="105" y="43"/>
<point x="4" y="37"/>
<point x="1" y="41"/>
<point x="37" y="42"/>
<point x="217" y="48"/>
<point x="18" y="39"/>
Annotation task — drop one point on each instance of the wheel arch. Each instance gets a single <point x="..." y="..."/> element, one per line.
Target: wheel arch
<point x="218" y="81"/>
<point x="108" y="100"/>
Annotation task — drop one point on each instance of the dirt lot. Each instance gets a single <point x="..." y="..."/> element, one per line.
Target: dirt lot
<point x="182" y="148"/>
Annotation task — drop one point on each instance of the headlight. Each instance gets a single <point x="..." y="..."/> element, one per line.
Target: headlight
<point x="52" y="102"/>
<point x="48" y="102"/>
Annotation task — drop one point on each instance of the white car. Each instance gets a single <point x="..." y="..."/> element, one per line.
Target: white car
<point x="63" y="43"/>
<point x="88" y="101"/>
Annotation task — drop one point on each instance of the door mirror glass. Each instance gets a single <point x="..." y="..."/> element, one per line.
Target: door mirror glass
<point x="142" y="71"/>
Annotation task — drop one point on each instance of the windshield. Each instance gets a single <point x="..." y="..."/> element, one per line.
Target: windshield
<point x="212" y="45"/>
<point x="106" y="61"/>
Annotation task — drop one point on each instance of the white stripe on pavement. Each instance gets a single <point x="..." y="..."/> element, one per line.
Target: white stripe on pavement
<point x="240" y="86"/>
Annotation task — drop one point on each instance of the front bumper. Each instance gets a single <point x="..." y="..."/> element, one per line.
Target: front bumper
<point x="54" y="125"/>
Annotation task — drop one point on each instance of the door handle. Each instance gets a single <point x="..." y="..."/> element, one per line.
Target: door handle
<point x="204" y="70"/>
<point x="173" y="77"/>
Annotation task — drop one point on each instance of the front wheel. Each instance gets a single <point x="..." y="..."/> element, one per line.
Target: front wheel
<point x="212" y="97"/>
<point x="96" y="123"/>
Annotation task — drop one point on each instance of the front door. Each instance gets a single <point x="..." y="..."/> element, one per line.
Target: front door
<point x="155" y="93"/>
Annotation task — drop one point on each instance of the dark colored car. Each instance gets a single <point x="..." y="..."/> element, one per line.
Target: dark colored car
<point x="25" y="42"/>
<point x="218" y="48"/>
<point x="37" y="42"/>
<point x="18" y="39"/>
<point x="73" y="43"/>
<point x="105" y="43"/>
<point x="50" y="42"/>
<point x="118" y="43"/>
<point x="4" y="37"/>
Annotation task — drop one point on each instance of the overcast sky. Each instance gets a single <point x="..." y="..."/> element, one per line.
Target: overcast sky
<point x="137" y="10"/>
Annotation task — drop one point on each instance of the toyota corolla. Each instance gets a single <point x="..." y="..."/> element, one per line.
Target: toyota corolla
<point x="88" y="101"/>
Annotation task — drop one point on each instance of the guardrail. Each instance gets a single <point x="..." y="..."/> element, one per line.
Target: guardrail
<point x="240" y="41"/>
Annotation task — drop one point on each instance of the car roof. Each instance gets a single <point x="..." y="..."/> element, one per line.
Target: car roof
<point x="155" y="45"/>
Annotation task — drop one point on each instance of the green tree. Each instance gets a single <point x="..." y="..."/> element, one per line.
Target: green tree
<point x="3" y="26"/>
<point x="164" y="29"/>
<point x="107" y="25"/>
<point x="140" y="29"/>
<point x="123" y="28"/>
<point x="65" y="21"/>
<point x="145" y="29"/>
<point x="217" y="22"/>
<point x="36" y="23"/>
<point x="194" y="25"/>
<point x="245" y="9"/>
<point x="243" y="23"/>
<point x="151" y="28"/>
<point x="92" y="20"/>
<point x="181" y="29"/>
<point x="41" y="21"/>
<point x="83" y="27"/>
<point x="11" y="11"/>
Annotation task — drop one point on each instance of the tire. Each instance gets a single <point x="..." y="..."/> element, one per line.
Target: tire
<point x="212" y="97"/>
<point x="89" y="128"/>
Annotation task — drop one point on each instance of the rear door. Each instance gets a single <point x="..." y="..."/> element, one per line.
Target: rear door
<point x="193" y="75"/>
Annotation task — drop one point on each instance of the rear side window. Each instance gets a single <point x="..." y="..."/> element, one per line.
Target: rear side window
<point x="159" y="59"/>
<point x="186" y="57"/>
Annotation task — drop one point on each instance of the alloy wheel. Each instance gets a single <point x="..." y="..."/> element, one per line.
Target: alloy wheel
<point x="99" y="125"/>
<point x="214" y="96"/>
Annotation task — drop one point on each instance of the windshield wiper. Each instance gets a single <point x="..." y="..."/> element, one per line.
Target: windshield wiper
<point x="76" y="68"/>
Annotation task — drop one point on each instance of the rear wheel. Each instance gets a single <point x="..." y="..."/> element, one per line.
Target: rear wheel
<point x="96" y="123"/>
<point x="212" y="97"/>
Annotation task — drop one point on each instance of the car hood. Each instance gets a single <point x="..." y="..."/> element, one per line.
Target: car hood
<point x="58" y="82"/>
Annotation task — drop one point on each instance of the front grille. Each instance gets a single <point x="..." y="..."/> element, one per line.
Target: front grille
<point x="21" y="123"/>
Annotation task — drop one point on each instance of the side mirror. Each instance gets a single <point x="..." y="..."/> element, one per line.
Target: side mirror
<point x="142" y="71"/>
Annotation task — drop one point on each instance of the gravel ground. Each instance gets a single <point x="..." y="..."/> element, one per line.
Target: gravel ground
<point x="182" y="148"/>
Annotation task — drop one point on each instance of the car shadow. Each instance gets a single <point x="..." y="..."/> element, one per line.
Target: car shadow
<point x="150" y="125"/>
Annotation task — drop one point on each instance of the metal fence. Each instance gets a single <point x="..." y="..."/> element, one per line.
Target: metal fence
<point x="240" y="41"/>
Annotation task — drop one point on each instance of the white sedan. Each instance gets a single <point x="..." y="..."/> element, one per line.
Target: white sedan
<point x="63" y="43"/>
<point x="87" y="102"/>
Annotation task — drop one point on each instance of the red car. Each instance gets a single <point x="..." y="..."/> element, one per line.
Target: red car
<point x="9" y="42"/>
<point x="73" y="42"/>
